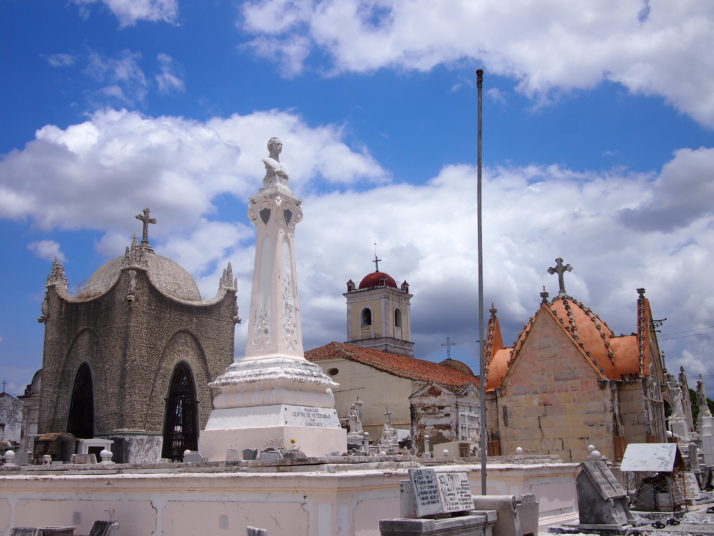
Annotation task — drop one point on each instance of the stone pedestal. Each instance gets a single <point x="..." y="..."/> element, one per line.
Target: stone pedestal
<point x="707" y="438"/>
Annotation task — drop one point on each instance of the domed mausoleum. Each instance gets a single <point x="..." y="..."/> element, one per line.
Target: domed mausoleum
<point x="130" y="356"/>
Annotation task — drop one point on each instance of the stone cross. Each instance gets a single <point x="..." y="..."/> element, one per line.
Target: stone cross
<point x="4" y="384"/>
<point x="146" y="220"/>
<point x="448" y="345"/>
<point x="560" y="270"/>
<point x="388" y="417"/>
<point x="544" y="296"/>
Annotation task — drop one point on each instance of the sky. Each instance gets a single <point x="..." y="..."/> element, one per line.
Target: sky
<point x="598" y="147"/>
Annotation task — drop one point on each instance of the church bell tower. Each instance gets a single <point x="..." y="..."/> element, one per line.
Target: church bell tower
<point x="378" y="313"/>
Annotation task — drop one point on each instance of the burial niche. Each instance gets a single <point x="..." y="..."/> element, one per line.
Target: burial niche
<point x="181" y="418"/>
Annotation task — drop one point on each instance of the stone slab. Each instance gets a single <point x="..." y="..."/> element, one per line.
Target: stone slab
<point x="440" y="493"/>
<point x="471" y="525"/>
<point x="272" y="415"/>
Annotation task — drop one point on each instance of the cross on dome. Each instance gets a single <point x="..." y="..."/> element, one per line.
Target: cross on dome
<point x="560" y="270"/>
<point x="448" y="345"/>
<point x="145" y="220"/>
<point x="376" y="259"/>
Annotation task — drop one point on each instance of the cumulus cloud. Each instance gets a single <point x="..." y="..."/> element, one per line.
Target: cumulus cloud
<point x="129" y="12"/>
<point x="122" y="75"/>
<point x="655" y="49"/>
<point x="47" y="249"/>
<point x="99" y="173"/>
<point x="170" y="77"/>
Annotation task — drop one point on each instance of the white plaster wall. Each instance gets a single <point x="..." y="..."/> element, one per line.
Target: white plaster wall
<point x="179" y="503"/>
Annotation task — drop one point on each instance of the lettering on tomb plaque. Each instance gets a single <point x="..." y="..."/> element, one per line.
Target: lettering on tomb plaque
<point x="440" y="493"/>
<point x="311" y="417"/>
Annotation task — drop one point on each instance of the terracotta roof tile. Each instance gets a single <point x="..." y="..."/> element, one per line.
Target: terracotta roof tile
<point x="398" y="365"/>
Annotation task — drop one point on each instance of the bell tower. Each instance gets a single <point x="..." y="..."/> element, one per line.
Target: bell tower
<point x="378" y="313"/>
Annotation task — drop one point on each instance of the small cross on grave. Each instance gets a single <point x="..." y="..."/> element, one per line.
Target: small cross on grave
<point x="448" y="345"/>
<point x="388" y="417"/>
<point x="145" y="220"/>
<point x="4" y="384"/>
<point x="560" y="270"/>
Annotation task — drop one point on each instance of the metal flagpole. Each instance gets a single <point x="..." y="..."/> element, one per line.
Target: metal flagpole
<point x="481" y="342"/>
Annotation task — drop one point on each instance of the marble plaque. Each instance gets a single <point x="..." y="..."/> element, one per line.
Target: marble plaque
<point x="439" y="493"/>
<point x="310" y="417"/>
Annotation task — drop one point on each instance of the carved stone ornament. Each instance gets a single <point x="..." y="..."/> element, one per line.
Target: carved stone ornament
<point x="45" y="311"/>
<point x="131" y="290"/>
<point x="57" y="276"/>
<point x="135" y="255"/>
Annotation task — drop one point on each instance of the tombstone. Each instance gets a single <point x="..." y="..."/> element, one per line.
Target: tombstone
<point x="601" y="498"/>
<point x="252" y="531"/>
<point x="248" y="454"/>
<point x="270" y="455"/>
<point x="192" y="457"/>
<point x="83" y="459"/>
<point x="105" y="528"/>
<point x="430" y="494"/>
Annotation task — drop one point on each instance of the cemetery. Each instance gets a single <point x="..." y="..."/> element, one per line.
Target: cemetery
<point x="271" y="456"/>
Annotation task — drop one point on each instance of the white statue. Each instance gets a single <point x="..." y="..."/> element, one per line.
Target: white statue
<point x="274" y="170"/>
<point x="355" y="424"/>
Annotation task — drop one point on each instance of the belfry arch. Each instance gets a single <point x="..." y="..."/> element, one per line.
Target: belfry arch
<point x="181" y="416"/>
<point x="80" y="421"/>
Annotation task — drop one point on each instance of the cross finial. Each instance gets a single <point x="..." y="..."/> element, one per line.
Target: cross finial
<point x="145" y="220"/>
<point x="493" y="310"/>
<point x="376" y="259"/>
<point x="448" y="345"/>
<point x="560" y="270"/>
<point x="388" y="417"/>
<point x="4" y="384"/>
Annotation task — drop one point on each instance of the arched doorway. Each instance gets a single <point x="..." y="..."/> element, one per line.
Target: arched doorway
<point x="181" y="417"/>
<point x="80" y="422"/>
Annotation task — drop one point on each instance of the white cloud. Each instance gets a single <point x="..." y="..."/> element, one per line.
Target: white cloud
<point x="100" y="173"/>
<point x="170" y="79"/>
<point x="546" y="46"/>
<point x="61" y="60"/>
<point x="129" y="12"/>
<point x="46" y="249"/>
<point x="124" y="78"/>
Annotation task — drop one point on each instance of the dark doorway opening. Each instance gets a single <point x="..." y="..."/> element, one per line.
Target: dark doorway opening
<point x="80" y="422"/>
<point x="181" y="418"/>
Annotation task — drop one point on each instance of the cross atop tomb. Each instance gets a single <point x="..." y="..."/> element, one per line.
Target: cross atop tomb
<point x="376" y="259"/>
<point x="448" y="345"/>
<point x="4" y="384"/>
<point x="544" y="295"/>
<point x="560" y="270"/>
<point x="388" y="417"/>
<point x="145" y="220"/>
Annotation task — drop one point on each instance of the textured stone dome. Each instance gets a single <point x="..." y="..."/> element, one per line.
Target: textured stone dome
<point x="377" y="279"/>
<point x="166" y="275"/>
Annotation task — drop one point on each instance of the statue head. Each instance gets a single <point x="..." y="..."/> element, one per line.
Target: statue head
<point x="275" y="147"/>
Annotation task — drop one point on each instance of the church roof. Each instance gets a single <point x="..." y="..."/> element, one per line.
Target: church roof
<point x="377" y="279"/>
<point x="398" y="365"/>
<point x="613" y="357"/>
<point x="166" y="275"/>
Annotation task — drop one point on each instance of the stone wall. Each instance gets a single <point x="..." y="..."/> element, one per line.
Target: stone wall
<point x="340" y="500"/>
<point x="552" y="401"/>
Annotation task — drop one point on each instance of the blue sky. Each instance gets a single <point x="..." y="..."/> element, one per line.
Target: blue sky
<point x="598" y="147"/>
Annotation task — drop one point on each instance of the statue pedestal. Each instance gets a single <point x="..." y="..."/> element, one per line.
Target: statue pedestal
<point x="276" y="402"/>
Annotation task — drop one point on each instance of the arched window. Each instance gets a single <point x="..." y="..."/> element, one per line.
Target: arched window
<point x="366" y="317"/>
<point x="80" y="421"/>
<point x="397" y="318"/>
<point x="181" y="418"/>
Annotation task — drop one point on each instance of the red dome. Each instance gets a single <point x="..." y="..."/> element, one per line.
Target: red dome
<point x="377" y="279"/>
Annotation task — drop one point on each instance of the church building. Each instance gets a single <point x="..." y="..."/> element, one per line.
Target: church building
<point x="376" y="367"/>
<point x="129" y="358"/>
<point x="569" y="381"/>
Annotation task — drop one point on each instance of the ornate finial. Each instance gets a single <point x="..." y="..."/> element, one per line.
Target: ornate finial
<point x="544" y="296"/>
<point x="145" y="220"/>
<point x="448" y="345"/>
<point x="376" y="259"/>
<point x="274" y="171"/>
<point x="227" y="280"/>
<point x="641" y="292"/>
<point x="560" y="269"/>
<point x="493" y="310"/>
<point x="57" y="276"/>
